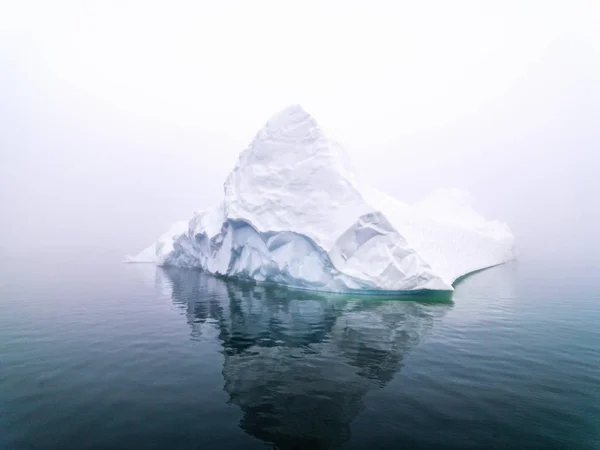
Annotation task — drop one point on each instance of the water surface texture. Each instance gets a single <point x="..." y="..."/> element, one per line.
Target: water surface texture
<point x="102" y="355"/>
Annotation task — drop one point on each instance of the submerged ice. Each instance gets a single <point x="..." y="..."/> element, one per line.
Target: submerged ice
<point x="294" y="212"/>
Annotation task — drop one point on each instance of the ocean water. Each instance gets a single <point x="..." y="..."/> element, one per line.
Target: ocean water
<point x="101" y="355"/>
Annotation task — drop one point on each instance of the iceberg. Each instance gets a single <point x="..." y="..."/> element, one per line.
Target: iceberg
<point x="295" y="213"/>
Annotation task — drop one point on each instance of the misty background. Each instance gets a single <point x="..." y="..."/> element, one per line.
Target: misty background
<point x="119" y="118"/>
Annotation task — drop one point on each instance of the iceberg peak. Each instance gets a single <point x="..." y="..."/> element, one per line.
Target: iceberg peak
<point x="294" y="213"/>
<point x="290" y="124"/>
<point x="292" y="113"/>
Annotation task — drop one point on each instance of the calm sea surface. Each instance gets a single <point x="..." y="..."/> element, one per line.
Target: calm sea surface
<point x="101" y="355"/>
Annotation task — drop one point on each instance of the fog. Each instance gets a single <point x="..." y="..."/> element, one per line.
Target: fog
<point x="119" y="118"/>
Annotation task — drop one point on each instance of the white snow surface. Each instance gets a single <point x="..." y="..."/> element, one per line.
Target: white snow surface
<point x="295" y="213"/>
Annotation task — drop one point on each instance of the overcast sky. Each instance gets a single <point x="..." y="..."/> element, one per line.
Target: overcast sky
<point x="119" y="118"/>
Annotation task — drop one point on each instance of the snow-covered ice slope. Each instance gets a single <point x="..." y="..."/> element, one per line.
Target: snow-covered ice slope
<point x="157" y="252"/>
<point x="294" y="212"/>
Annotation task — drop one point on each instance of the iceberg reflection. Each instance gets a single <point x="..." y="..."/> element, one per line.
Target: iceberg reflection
<point x="299" y="364"/>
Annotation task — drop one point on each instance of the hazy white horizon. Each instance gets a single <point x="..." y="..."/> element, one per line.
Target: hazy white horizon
<point x="119" y="118"/>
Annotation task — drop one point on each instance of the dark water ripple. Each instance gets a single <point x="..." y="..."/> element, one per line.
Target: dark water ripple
<point x="108" y="356"/>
